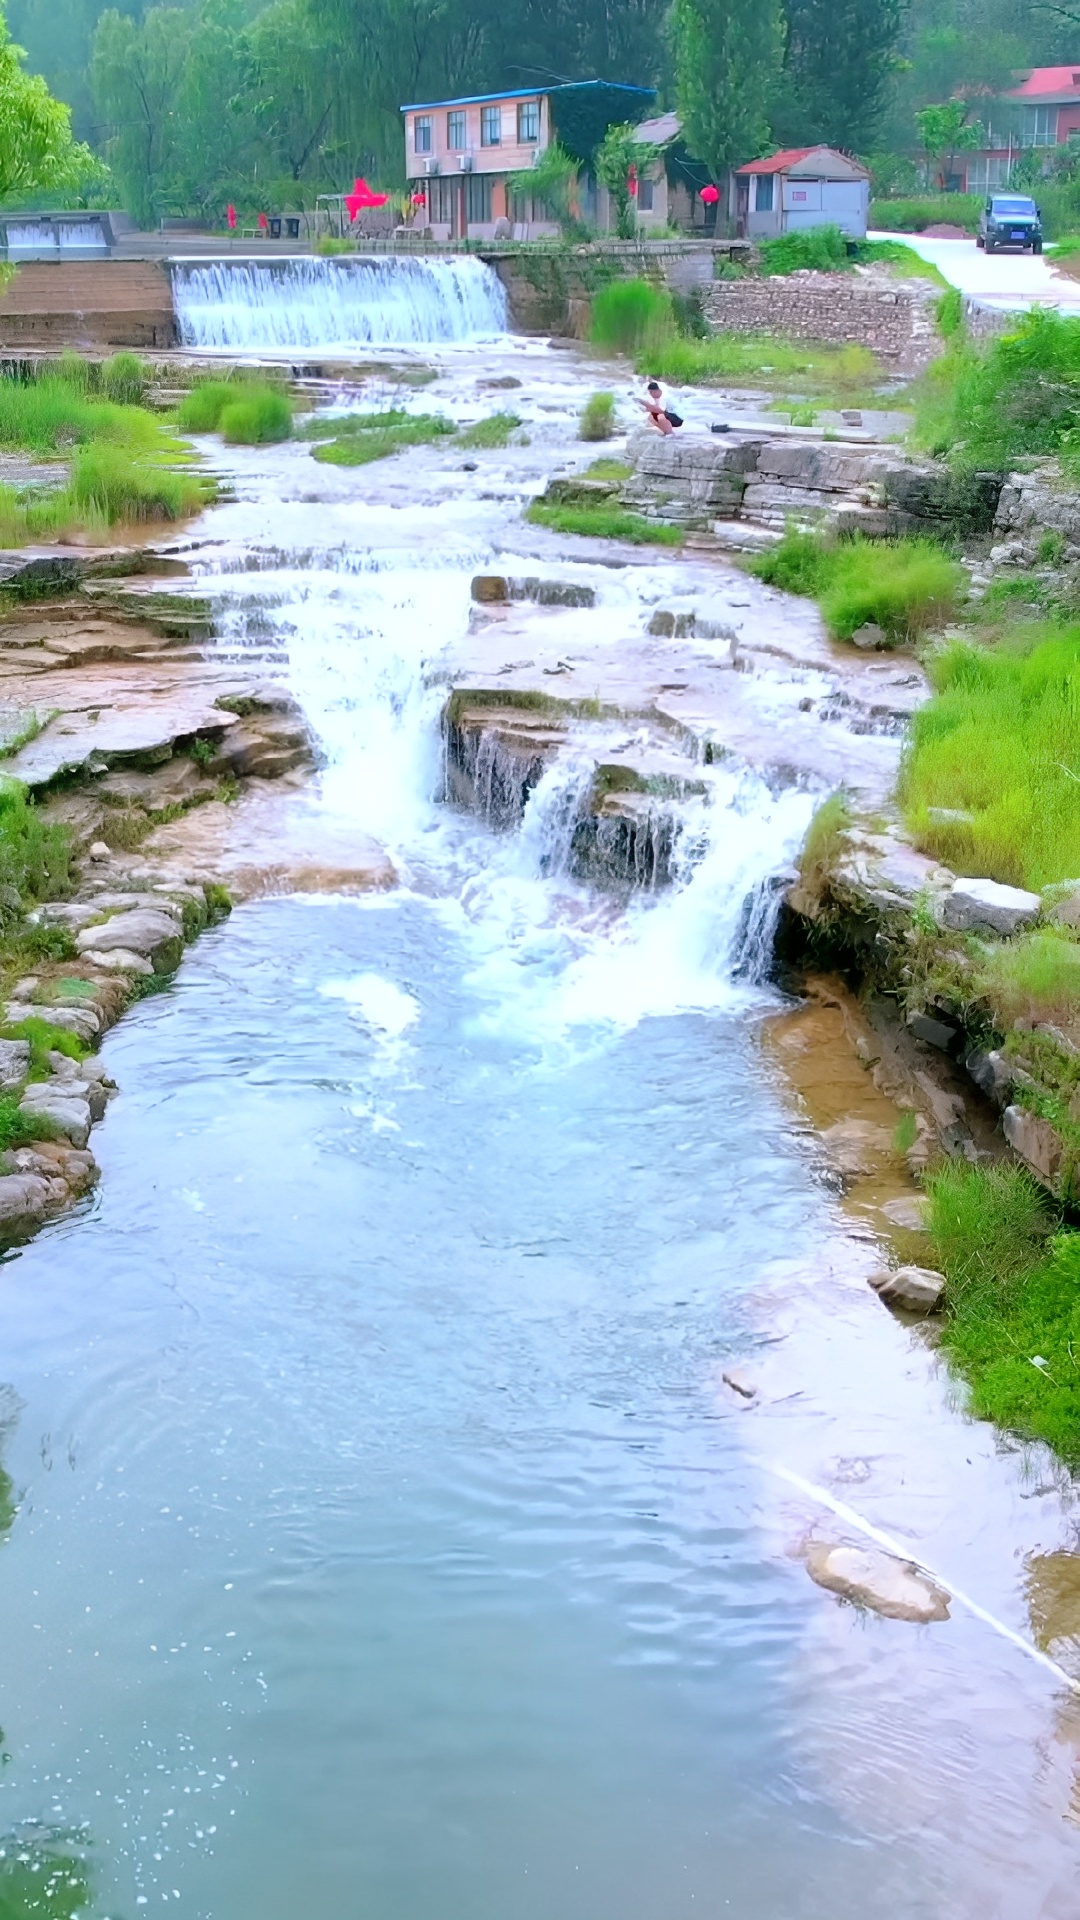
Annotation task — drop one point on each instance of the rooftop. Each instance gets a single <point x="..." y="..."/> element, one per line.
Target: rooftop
<point x="792" y="157"/>
<point x="525" y="93"/>
<point x="1046" y="83"/>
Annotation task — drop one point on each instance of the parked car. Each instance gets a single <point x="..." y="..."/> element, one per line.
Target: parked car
<point x="1010" y="220"/>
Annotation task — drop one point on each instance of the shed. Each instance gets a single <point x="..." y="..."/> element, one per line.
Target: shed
<point x="801" y="187"/>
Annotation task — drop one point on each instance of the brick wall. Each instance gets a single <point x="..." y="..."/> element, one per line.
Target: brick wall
<point x="893" y="318"/>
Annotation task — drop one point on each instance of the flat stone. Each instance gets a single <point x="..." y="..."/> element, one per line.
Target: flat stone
<point x="1038" y="1145"/>
<point x="99" y="851"/>
<point x="14" y="1064"/>
<point x="856" y="1146"/>
<point x="151" y="931"/>
<point x="118" y="960"/>
<point x="984" y="906"/>
<point x="69" y="1114"/>
<point x="935" y="1032"/>
<point x="1065" y="911"/>
<point x="894" y="1588"/>
<point x="909" y="1214"/>
<point x="84" y="1021"/>
<point x="916" y="1289"/>
<point x="23" y="1197"/>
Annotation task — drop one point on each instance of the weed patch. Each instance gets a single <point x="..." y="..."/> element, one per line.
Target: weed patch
<point x="902" y="586"/>
<point x="631" y="314"/>
<point x="1000" y="742"/>
<point x="1013" y="1300"/>
<point x="18" y="1129"/>
<point x="245" y="413"/>
<point x="929" y="210"/>
<point x="354" y="439"/>
<point x="761" y="360"/>
<point x="496" y="431"/>
<point x="605" y="523"/>
<point x="822" y="845"/>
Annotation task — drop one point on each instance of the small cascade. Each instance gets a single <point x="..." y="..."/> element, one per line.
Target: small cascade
<point x="336" y="305"/>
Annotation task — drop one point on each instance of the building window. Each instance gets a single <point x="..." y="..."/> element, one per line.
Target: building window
<point x="422" y="133"/>
<point x="645" y="195"/>
<point x="528" y="123"/>
<point x="440" y="206"/>
<point x="477" y="198"/>
<point x="1038" y="127"/>
<point x="985" y="174"/>
<point x="490" y="126"/>
<point x="455" y="132"/>
<point x="763" y="201"/>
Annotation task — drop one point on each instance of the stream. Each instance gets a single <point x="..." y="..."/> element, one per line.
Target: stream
<point x="384" y="1540"/>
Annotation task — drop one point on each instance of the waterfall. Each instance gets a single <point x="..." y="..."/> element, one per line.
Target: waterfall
<point x="336" y="305"/>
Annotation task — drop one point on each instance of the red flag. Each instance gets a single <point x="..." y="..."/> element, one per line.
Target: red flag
<point x="361" y="197"/>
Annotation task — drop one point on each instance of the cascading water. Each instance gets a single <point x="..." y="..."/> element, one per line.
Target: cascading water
<point x="336" y="305"/>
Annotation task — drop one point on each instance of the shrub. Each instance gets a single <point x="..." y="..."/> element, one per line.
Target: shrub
<point x="822" y="248"/>
<point x="631" y="314"/>
<point x="202" y="408"/>
<point x="949" y="312"/>
<point x="1000" y="741"/>
<point x="903" y="586"/>
<point x="598" y="417"/>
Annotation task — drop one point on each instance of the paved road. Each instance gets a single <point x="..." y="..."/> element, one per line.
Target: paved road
<point x="1016" y="280"/>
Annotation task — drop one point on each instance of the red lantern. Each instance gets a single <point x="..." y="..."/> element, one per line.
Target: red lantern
<point x="263" y="223"/>
<point x="419" y="199"/>
<point x="230" y="217"/>
<point x="631" y="181"/>
<point x="710" y="195"/>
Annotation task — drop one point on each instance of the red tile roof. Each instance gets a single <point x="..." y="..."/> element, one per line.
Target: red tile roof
<point x="778" y="162"/>
<point x="1047" y="82"/>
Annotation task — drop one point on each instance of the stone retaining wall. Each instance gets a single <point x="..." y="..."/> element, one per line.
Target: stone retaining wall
<point x="895" y="319"/>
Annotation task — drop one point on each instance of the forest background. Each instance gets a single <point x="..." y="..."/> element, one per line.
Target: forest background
<point x="189" y="106"/>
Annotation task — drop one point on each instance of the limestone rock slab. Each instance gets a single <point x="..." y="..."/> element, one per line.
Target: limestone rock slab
<point x="23" y="1197"/>
<point x="1038" y="1145"/>
<point x="985" y="906"/>
<point x="871" y="1578"/>
<point x="149" y="931"/>
<point x="916" y="1289"/>
<point x="69" y="1114"/>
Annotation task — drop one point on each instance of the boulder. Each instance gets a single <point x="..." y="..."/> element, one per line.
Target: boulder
<point x="871" y="1578"/>
<point x="1066" y="909"/>
<point x="935" y="1032"/>
<point x="68" y="1112"/>
<point x="84" y="1020"/>
<point x="14" y="1064"/>
<point x="118" y="961"/>
<point x="984" y="906"/>
<point x="916" y="1289"/>
<point x="23" y="1198"/>
<point x="870" y="637"/>
<point x="1038" y="1145"/>
<point x="490" y="589"/>
<point x="856" y="1146"/>
<point x="149" y="931"/>
<point x="992" y="1074"/>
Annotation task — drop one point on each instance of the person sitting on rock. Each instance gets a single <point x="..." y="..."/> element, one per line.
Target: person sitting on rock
<point x="662" y="416"/>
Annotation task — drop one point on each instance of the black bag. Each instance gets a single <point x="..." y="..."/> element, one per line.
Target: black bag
<point x="675" y="419"/>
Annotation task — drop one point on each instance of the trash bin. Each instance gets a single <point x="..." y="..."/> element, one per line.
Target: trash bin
<point x="292" y="229"/>
<point x="275" y="227"/>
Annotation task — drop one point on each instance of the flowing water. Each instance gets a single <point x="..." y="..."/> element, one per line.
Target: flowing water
<point x="335" y="305"/>
<point x="387" y="1542"/>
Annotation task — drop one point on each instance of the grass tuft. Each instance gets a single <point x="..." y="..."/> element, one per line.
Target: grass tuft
<point x="605" y="523"/>
<point x="354" y="439"/>
<point x="822" y="845"/>
<point x="597" y="417"/>
<point x="496" y="431"/>
<point x="245" y="413"/>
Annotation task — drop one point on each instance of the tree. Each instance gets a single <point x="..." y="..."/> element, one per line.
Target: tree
<point x="620" y="161"/>
<point x="727" y="53"/>
<point x="944" y="131"/>
<point x="137" y="72"/>
<point x="286" y="86"/>
<point x="553" y="179"/>
<point x="839" y="57"/>
<point x="38" y="152"/>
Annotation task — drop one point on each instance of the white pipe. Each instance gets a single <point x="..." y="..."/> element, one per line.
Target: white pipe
<point x="882" y="1539"/>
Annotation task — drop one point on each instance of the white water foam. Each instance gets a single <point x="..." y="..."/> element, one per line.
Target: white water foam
<point x="336" y="305"/>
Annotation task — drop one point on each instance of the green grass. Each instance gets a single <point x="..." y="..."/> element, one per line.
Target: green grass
<point x="107" y="482"/>
<point x="994" y="406"/>
<point x="893" y="253"/>
<point x="930" y="210"/>
<point x="44" y="1039"/>
<point x="35" y="857"/>
<point x="822" y="845"/>
<point x="1012" y="1326"/>
<point x="762" y="360"/>
<point x="496" y="431"/>
<point x="607" y="468"/>
<point x="605" y="523"/>
<point x="823" y="249"/>
<point x="245" y="412"/>
<point x="1034" y="976"/>
<point x="354" y="439"/>
<point x="904" y="586"/>
<point x="597" y="420"/>
<point x="1000" y="740"/>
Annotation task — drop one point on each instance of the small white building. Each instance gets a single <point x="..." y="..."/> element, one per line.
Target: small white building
<point x="803" y="187"/>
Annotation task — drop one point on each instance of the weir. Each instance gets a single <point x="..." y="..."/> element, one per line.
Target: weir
<point x="335" y="304"/>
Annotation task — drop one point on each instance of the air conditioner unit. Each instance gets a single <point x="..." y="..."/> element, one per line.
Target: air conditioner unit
<point x="431" y="166"/>
<point x="465" y="162"/>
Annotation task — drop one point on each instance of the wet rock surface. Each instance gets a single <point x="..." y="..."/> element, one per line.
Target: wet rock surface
<point x="869" y="1577"/>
